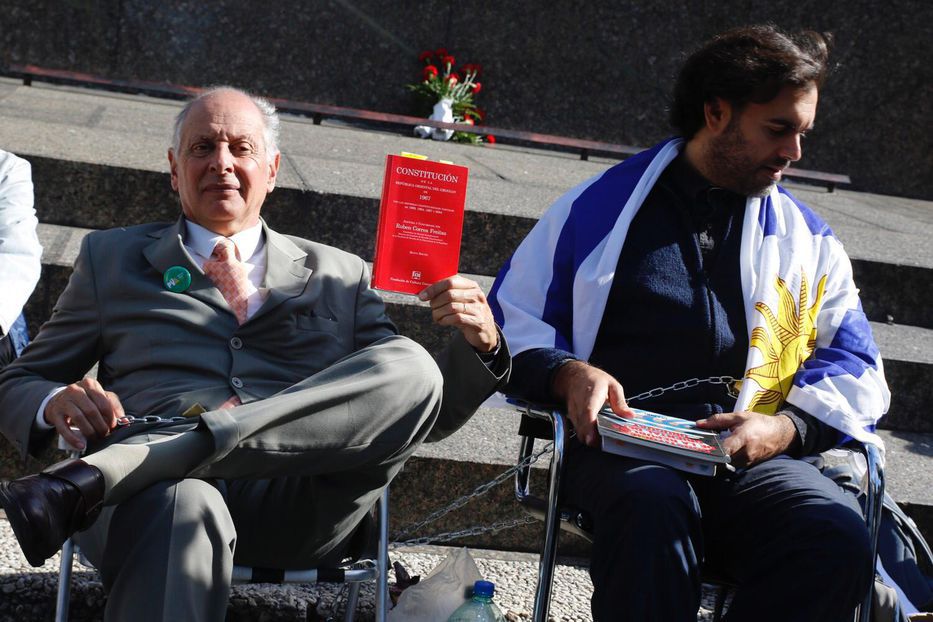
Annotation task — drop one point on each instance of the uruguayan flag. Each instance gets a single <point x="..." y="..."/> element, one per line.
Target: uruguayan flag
<point x="810" y="342"/>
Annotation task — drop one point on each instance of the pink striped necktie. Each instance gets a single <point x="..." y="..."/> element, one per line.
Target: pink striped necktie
<point x="228" y="274"/>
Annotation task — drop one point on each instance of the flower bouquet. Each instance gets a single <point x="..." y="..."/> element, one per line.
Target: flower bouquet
<point x="449" y="94"/>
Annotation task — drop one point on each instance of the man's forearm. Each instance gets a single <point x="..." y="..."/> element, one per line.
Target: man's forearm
<point x="533" y="373"/>
<point x="814" y="435"/>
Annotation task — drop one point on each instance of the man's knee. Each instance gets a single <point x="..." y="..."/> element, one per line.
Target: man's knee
<point x="419" y="388"/>
<point x="651" y="491"/>
<point x="842" y="543"/>
<point x="420" y="369"/>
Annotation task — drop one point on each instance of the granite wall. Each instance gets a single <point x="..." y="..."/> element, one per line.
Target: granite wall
<point x="599" y="70"/>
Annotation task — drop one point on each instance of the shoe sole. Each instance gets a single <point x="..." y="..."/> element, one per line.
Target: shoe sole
<point x="17" y="520"/>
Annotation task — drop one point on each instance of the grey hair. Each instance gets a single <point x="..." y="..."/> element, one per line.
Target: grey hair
<point x="270" y="118"/>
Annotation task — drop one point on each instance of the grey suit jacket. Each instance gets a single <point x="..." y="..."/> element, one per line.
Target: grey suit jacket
<point x="163" y="352"/>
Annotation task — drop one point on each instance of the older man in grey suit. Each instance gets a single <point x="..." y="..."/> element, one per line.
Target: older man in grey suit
<point x="288" y="402"/>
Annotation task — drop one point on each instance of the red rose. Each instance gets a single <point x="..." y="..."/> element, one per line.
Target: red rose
<point x="447" y="60"/>
<point x="452" y="78"/>
<point x="430" y="71"/>
<point x="490" y="139"/>
<point x="440" y="52"/>
<point x="468" y="121"/>
<point x="479" y="113"/>
<point x="425" y="56"/>
<point x="477" y="87"/>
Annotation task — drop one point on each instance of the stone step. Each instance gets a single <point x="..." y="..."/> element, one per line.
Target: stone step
<point x="907" y="350"/>
<point x="99" y="161"/>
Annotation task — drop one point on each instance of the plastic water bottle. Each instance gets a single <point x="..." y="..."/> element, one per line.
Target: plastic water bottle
<point x="480" y="608"/>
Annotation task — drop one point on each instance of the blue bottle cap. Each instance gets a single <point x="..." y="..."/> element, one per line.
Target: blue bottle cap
<point x="176" y="279"/>
<point x="484" y="588"/>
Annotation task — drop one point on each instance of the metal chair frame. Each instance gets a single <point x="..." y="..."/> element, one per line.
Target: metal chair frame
<point x="354" y="575"/>
<point x="556" y="517"/>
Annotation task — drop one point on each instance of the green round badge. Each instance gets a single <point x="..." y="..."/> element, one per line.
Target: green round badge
<point x="177" y="279"/>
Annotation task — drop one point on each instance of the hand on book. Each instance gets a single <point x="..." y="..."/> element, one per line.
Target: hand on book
<point x="754" y="437"/>
<point x="458" y="301"/>
<point x="585" y="390"/>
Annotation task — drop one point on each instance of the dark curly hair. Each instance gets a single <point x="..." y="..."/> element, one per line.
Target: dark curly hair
<point x="748" y="64"/>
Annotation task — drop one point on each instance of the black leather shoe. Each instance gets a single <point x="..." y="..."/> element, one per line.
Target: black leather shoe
<point x="45" y="509"/>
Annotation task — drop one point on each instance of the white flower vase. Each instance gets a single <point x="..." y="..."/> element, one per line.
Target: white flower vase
<point x="443" y="111"/>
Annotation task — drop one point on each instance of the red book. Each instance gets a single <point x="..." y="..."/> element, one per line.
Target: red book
<point x="420" y="224"/>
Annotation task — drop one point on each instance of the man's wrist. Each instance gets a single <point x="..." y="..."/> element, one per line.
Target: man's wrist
<point x="790" y="432"/>
<point x="562" y="377"/>
<point x="490" y="357"/>
<point x="41" y="423"/>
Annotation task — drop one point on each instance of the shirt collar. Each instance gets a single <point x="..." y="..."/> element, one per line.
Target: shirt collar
<point x="202" y="241"/>
<point x="694" y="187"/>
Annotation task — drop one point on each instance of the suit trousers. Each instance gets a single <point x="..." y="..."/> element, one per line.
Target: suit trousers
<point x="795" y="545"/>
<point x="290" y="478"/>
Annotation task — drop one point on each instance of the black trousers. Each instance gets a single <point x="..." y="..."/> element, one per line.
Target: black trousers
<point x="794" y="543"/>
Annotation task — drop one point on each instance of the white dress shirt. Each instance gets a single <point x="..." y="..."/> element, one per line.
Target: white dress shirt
<point x="251" y="250"/>
<point x="20" y="251"/>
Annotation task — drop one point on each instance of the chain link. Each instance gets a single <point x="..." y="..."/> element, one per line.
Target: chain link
<point x="477" y="492"/>
<point x="688" y="384"/>
<point x="524" y="520"/>
<point x="477" y="530"/>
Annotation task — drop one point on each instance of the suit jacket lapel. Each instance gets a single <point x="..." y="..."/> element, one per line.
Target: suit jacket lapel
<point x="167" y="250"/>
<point x="286" y="274"/>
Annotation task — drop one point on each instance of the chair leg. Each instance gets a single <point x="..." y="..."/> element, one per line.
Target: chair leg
<point x="551" y="526"/>
<point x="382" y="564"/>
<point x="720" y="603"/>
<point x="874" y="502"/>
<point x="353" y="599"/>
<point x="63" y="598"/>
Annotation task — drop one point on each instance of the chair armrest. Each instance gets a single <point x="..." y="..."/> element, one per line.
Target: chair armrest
<point x="874" y="501"/>
<point x="537" y="419"/>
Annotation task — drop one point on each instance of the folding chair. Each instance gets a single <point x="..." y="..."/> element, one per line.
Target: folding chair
<point x="353" y="574"/>
<point x="547" y="424"/>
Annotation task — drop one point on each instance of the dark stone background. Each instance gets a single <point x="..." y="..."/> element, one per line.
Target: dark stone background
<point x="595" y="70"/>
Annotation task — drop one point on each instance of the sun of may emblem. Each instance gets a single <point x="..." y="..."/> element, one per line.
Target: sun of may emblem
<point x="786" y="340"/>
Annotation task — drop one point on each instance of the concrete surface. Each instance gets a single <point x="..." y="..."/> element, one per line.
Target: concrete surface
<point x="587" y="69"/>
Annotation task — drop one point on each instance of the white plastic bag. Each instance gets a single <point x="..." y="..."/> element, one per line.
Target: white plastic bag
<point x="439" y="594"/>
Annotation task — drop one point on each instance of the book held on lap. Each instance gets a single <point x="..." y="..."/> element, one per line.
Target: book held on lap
<point x="420" y="223"/>
<point x="653" y="437"/>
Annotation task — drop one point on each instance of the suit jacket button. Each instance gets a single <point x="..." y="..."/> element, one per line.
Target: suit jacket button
<point x="236" y="343"/>
<point x="236" y="382"/>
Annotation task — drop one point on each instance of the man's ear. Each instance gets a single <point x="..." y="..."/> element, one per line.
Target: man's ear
<point x="173" y="167"/>
<point x="717" y="113"/>
<point x="273" y="172"/>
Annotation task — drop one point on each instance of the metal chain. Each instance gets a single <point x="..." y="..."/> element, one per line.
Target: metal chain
<point x="477" y="492"/>
<point x="484" y="488"/>
<point x="342" y="594"/>
<point x="465" y="533"/>
<point x="687" y="384"/>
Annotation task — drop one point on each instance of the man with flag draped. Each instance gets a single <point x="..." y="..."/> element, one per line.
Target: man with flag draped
<point x="687" y="262"/>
